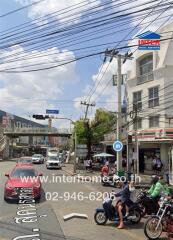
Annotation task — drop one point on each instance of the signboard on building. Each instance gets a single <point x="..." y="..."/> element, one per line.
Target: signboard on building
<point x="149" y="41"/>
<point x="81" y="150"/>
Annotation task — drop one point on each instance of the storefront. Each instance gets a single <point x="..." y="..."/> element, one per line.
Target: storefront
<point x="146" y="156"/>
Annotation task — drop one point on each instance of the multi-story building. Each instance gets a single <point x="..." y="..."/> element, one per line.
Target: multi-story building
<point x="150" y="91"/>
<point x="8" y="120"/>
<point x="20" y="143"/>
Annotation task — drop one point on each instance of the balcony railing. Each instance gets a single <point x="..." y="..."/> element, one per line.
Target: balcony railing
<point x="145" y="78"/>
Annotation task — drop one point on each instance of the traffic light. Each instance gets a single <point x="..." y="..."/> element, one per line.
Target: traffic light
<point x="40" y="117"/>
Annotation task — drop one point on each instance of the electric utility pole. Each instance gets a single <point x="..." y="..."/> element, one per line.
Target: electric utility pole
<point x="135" y="109"/>
<point x="113" y="53"/>
<point x="86" y="121"/>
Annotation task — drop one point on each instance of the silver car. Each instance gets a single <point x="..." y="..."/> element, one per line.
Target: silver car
<point x="53" y="162"/>
<point x="37" y="158"/>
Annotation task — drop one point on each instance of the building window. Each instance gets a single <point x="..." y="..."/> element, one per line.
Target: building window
<point x="24" y="125"/>
<point x="18" y="124"/>
<point x="137" y="124"/>
<point x="154" y="121"/>
<point x="137" y="100"/>
<point x="146" y="69"/>
<point x="153" y="95"/>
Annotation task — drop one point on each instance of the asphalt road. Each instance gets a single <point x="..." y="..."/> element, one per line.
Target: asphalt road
<point x="61" y="201"/>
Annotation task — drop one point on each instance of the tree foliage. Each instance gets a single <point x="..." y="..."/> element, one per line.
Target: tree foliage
<point x="103" y="122"/>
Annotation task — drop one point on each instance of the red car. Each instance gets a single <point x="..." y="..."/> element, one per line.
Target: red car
<point x="22" y="176"/>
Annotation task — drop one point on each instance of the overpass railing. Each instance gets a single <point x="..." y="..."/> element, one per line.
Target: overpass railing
<point x="36" y="130"/>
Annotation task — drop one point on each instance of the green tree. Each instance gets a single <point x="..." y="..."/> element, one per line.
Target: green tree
<point x="104" y="122"/>
<point x="81" y="132"/>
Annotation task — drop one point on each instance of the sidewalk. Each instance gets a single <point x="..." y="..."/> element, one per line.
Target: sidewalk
<point x="145" y="179"/>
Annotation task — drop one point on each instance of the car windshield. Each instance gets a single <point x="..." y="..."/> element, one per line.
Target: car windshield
<point x="53" y="158"/>
<point x="36" y="155"/>
<point x="52" y="151"/>
<point x="25" y="160"/>
<point x="17" y="173"/>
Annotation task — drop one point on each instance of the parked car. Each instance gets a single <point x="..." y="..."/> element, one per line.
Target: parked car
<point x="22" y="176"/>
<point x="37" y="158"/>
<point x="53" y="162"/>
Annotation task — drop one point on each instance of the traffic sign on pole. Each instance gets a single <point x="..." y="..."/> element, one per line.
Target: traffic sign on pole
<point x="50" y="111"/>
<point x="118" y="146"/>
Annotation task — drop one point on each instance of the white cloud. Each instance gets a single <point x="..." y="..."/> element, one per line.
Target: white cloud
<point x="20" y="91"/>
<point x="66" y="9"/>
<point x="102" y="85"/>
<point x="153" y="18"/>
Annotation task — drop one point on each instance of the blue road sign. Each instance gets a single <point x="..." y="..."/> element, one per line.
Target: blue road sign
<point x="48" y="111"/>
<point x="118" y="146"/>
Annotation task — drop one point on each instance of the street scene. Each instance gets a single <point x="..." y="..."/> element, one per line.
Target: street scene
<point x="86" y="119"/>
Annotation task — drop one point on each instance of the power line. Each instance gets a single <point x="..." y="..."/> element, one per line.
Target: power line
<point x="37" y="55"/>
<point x="11" y="70"/>
<point x="89" y="23"/>
<point x="21" y="8"/>
<point x="118" y="44"/>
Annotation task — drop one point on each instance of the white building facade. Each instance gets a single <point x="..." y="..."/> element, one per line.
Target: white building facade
<point x="149" y="89"/>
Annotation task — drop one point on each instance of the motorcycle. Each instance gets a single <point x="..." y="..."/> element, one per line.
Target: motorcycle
<point x="147" y="204"/>
<point x="108" y="212"/>
<point x="161" y="222"/>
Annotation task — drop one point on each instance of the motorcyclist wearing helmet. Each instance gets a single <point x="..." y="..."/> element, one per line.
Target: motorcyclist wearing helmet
<point x="156" y="188"/>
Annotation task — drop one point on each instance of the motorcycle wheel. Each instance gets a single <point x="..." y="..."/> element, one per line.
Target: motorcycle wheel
<point x="137" y="214"/>
<point x="150" y="228"/>
<point x="100" y="218"/>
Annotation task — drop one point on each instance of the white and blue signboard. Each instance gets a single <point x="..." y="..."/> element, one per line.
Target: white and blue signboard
<point x="118" y="146"/>
<point x="149" y="41"/>
<point x="51" y="111"/>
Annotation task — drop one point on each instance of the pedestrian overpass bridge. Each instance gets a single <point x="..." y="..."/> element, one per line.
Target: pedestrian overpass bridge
<point x="16" y="132"/>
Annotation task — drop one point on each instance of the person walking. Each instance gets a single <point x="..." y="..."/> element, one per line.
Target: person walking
<point x="154" y="167"/>
<point x="124" y="162"/>
<point x="159" y="165"/>
<point x="90" y="164"/>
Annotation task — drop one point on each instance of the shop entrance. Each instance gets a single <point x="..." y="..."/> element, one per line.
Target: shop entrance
<point x="141" y="161"/>
<point x="171" y="165"/>
<point x="146" y="157"/>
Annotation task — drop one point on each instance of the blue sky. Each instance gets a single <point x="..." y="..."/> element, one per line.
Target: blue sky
<point x="28" y="93"/>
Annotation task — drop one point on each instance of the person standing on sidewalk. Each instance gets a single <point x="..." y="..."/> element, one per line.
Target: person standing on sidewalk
<point x="90" y="164"/>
